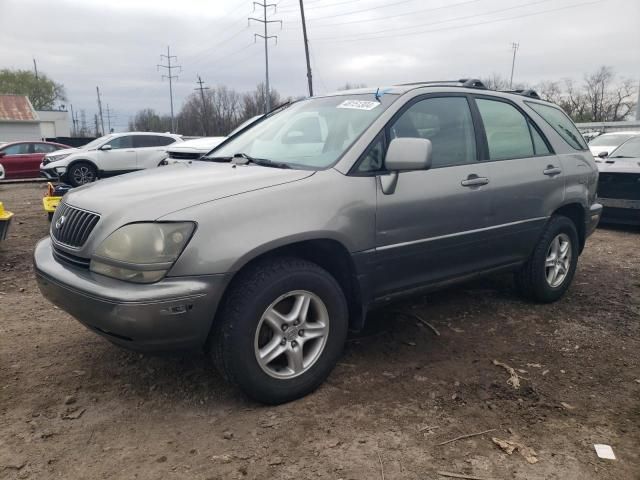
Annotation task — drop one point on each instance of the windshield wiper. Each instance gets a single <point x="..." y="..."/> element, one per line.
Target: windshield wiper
<point x="621" y="156"/>
<point x="243" y="158"/>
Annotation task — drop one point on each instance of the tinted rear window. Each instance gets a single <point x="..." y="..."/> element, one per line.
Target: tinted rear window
<point x="561" y="123"/>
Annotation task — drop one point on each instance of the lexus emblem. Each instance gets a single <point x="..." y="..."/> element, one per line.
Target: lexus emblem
<point x="60" y="222"/>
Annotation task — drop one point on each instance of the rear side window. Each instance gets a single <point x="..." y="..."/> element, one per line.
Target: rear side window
<point x="446" y="121"/>
<point x="561" y="123"/>
<point x="43" y="148"/>
<point x="508" y="134"/>
<point x="142" y="141"/>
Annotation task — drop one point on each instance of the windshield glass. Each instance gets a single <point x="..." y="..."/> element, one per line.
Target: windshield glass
<point x="96" y="143"/>
<point x="611" y="140"/>
<point x="630" y="149"/>
<point x="311" y="133"/>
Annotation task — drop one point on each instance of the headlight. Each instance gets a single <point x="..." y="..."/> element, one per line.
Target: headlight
<point x="54" y="158"/>
<point x="141" y="252"/>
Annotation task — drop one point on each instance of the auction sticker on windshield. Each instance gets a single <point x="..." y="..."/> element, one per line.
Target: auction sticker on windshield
<point x="359" y="104"/>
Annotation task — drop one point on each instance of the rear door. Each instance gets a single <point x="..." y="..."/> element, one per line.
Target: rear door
<point x="526" y="176"/>
<point x="121" y="158"/>
<point x="151" y="149"/>
<point x="430" y="228"/>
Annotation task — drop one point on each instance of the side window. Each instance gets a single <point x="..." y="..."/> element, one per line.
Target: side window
<point x="19" y="149"/>
<point x="539" y="145"/>
<point x="561" y="123"/>
<point x="43" y="148"/>
<point x="446" y="121"/>
<point x="121" y="142"/>
<point x="144" y="141"/>
<point x="507" y="130"/>
<point x="373" y="159"/>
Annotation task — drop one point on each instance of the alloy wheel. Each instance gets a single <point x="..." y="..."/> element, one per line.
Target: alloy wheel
<point x="558" y="260"/>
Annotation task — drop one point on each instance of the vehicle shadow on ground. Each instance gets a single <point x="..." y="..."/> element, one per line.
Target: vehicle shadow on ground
<point x="190" y="377"/>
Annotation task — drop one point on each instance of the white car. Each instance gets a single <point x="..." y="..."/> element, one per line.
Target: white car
<point x="106" y="156"/>
<point x="608" y="142"/>
<point x="191" y="149"/>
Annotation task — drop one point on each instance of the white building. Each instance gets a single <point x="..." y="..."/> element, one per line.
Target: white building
<point x="19" y="121"/>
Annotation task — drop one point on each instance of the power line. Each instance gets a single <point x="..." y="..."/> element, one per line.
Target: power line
<point x="266" y="38"/>
<point x="368" y="9"/>
<point x="454" y="27"/>
<point x="169" y="68"/>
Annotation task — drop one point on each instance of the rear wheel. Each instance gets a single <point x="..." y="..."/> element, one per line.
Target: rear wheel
<point x="81" y="173"/>
<point x="280" y="330"/>
<point x="549" y="271"/>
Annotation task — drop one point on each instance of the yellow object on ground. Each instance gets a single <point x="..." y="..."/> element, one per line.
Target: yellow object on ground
<point x="5" y="220"/>
<point x="50" y="203"/>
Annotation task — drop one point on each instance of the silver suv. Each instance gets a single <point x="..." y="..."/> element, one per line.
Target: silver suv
<point x="267" y="252"/>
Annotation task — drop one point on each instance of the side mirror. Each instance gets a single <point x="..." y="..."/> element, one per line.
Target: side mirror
<point x="405" y="154"/>
<point x="105" y="147"/>
<point x="604" y="154"/>
<point x="409" y="154"/>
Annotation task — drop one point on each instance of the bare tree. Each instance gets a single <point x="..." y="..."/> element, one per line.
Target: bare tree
<point x="147" y="120"/>
<point x="253" y="103"/>
<point x="352" y="86"/>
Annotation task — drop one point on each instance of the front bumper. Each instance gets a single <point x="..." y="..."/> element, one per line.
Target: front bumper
<point x="52" y="174"/>
<point x="175" y="313"/>
<point x="620" y="210"/>
<point x="593" y="218"/>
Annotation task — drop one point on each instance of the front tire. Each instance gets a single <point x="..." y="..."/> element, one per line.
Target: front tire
<point x="81" y="173"/>
<point x="280" y="330"/>
<point x="549" y="271"/>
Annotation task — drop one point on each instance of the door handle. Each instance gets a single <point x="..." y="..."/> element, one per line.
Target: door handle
<point x="474" y="181"/>
<point x="552" y="170"/>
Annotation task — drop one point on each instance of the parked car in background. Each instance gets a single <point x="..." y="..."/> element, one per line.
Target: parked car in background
<point x="271" y="247"/>
<point x="191" y="149"/>
<point x="608" y="142"/>
<point x="1" y="172"/>
<point x="589" y="136"/>
<point x="106" y="156"/>
<point x="619" y="183"/>
<point x="23" y="159"/>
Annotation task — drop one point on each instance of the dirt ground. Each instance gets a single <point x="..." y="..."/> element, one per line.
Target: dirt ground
<point x="74" y="406"/>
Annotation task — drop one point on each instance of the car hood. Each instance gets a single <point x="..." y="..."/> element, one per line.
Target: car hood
<point x="64" y="151"/>
<point x="151" y="194"/>
<point x="619" y="165"/>
<point x="198" y="145"/>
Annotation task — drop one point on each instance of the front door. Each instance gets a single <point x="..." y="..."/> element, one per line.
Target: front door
<point x="430" y="228"/>
<point x="121" y="158"/>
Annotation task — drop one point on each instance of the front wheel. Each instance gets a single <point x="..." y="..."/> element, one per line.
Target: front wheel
<point x="281" y="329"/>
<point x="549" y="271"/>
<point x="81" y="173"/>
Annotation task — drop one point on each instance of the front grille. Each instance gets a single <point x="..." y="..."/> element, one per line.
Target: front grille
<point x="71" y="259"/>
<point x="619" y="185"/>
<point x="185" y="155"/>
<point x="71" y="226"/>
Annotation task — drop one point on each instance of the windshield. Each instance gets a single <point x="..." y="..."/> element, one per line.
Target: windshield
<point x="311" y="133"/>
<point x="611" y="140"/>
<point x="96" y="143"/>
<point x="629" y="149"/>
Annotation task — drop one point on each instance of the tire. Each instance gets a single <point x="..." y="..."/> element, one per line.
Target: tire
<point x="535" y="280"/>
<point x="81" y="173"/>
<point x="50" y="216"/>
<point x="242" y="332"/>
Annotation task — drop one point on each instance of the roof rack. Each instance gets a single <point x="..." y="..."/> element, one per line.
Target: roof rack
<point x="463" y="82"/>
<point x="525" y="93"/>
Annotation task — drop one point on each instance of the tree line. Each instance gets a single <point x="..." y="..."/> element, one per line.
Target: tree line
<point x="212" y="112"/>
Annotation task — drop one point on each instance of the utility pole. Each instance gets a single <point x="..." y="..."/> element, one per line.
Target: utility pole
<point x="169" y="68"/>
<point x="109" y="117"/>
<point x="266" y="37"/>
<point x="515" y="47"/>
<point x="306" y="48"/>
<point x="84" y="129"/>
<point x="35" y="68"/>
<point x="638" y="104"/>
<point x="100" y="110"/>
<point x="95" y="123"/>
<point x="74" y="128"/>
<point x="204" y="105"/>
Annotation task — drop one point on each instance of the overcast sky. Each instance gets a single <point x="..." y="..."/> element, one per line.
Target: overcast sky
<point x="116" y="44"/>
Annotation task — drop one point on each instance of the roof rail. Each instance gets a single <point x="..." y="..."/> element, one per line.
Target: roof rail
<point x="464" y="82"/>
<point x="525" y="93"/>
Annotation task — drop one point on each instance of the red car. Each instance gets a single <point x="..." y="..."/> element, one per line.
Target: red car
<point x="23" y="159"/>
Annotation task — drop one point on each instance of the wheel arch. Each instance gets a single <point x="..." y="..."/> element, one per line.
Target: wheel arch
<point x="82" y="160"/>
<point x="576" y="213"/>
<point x="328" y="253"/>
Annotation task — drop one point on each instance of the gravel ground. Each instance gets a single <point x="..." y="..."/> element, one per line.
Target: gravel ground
<point x="74" y="406"/>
